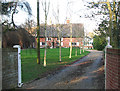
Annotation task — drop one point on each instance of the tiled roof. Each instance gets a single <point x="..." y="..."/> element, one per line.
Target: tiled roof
<point x="52" y="31"/>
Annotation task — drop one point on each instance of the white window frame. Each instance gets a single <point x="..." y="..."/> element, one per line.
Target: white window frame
<point x="46" y="39"/>
<point x="40" y="43"/>
<point x="61" y="39"/>
<point x="77" y="43"/>
<point x="61" y="43"/>
<point x="69" y="43"/>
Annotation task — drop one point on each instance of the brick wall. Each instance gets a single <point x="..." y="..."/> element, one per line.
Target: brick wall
<point x="113" y="69"/>
<point x="9" y="68"/>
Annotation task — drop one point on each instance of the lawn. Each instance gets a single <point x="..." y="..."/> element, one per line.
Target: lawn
<point x="31" y="70"/>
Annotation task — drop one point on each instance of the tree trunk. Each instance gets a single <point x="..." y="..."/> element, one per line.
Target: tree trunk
<point x="59" y="43"/>
<point x="60" y="50"/>
<point x="45" y="57"/>
<point x="45" y="37"/>
<point x="110" y="22"/>
<point x="70" y="42"/>
<point x="83" y="40"/>
<point x="76" y="51"/>
<point x="53" y="43"/>
<point x="38" y="38"/>
<point x="115" y="29"/>
<point x="80" y="47"/>
<point x="83" y="47"/>
<point x="45" y="48"/>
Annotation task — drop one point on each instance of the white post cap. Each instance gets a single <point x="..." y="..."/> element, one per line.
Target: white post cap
<point x="16" y="46"/>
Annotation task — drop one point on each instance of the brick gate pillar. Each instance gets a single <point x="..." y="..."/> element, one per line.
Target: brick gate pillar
<point x="113" y="68"/>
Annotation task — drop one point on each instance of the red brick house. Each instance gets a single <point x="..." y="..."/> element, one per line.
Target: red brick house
<point x="52" y="35"/>
<point x="65" y="42"/>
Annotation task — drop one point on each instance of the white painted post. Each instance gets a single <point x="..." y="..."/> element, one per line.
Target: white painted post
<point x="19" y="65"/>
<point x="108" y="46"/>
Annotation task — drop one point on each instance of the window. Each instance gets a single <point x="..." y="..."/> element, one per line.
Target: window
<point x="57" y="43"/>
<point x="43" y="43"/>
<point x="49" y="39"/>
<point x="57" y="38"/>
<point x="90" y="42"/>
<point x="73" y="43"/>
<point x="61" y="39"/>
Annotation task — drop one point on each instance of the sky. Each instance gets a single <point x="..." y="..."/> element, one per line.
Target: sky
<point x="75" y="11"/>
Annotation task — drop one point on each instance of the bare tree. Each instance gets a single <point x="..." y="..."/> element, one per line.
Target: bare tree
<point x="83" y="40"/>
<point x="46" y="7"/>
<point x="78" y="33"/>
<point x="80" y="46"/>
<point x="59" y="37"/>
<point x="70" y="40"/>
<point x="75" y="34"/>
<point x="59" y="29"/>
<point x="70" y="24"/>
<point x="30" y="26"/>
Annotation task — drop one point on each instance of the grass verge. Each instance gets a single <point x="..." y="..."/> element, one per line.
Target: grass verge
<point x="31" y="70"/>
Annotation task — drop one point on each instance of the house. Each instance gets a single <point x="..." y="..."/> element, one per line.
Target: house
<point x="88" y="43"/>
<point x="64" y="33"/>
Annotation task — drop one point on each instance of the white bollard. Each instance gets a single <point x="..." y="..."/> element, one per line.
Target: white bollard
<point x="19" y="65"/>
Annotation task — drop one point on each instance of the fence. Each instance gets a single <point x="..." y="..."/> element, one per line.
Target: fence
<point x="9" y="68"/>
<point x="113" y="68"/>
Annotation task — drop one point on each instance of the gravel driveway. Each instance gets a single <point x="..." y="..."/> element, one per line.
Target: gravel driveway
<point x="87" y="73"/>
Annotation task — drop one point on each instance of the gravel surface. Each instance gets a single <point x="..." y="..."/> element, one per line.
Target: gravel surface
<point x="87" y="73"/>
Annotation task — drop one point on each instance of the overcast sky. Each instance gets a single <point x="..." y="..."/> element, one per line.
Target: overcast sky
<point x="73" y="11"/>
